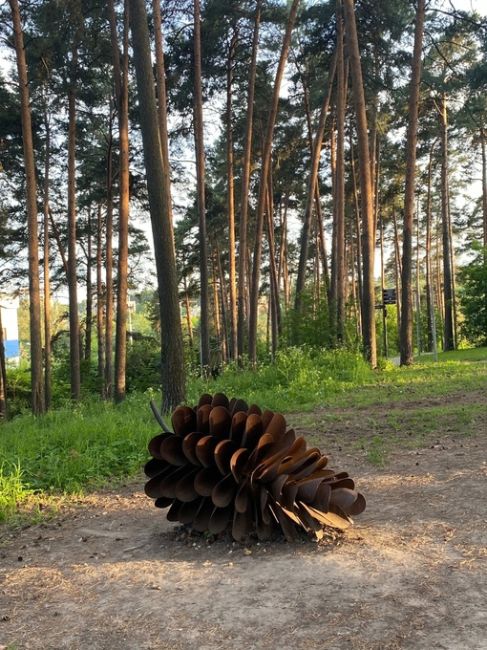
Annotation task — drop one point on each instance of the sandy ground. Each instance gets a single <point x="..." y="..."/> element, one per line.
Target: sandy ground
<point x="111" y="573"/>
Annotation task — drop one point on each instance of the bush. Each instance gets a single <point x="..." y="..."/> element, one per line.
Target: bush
<point x="298" y="379"/>
<point x="143" y="365"/>
<point x="473" y="297"/>
<point x="77" y="446"/>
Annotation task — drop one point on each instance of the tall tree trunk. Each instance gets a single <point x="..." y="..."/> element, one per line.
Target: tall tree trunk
<point x="37" y="388"/>
<point x="448" y="340"/>
<point x="453" y="269"/>
<point x="47" y="284"/>
<point x="172" y="359"/>
<point x="3" y="375"/>
<point x="162" y="98"/>
<point x="264" y="173"/>
<point x="429" y="285"/>
<point x="322" y="242"/>
<point x="200" y="190"/>
<point x="438" y="278"/>
<point x="123" y="211"/>
<point x="231" y="202"/>
<point x="89" y="294"/>
<point x="333" y="273"/>
<point x="187" y="307"/>
<point x="223" y="302"/>
<point x="283" y="255"/>
<point x="59" y="243"/>
<point x="100" y="300"/>
<point x="274" y="288"/>
<point x="321" y="245"/>
<point x="353" y="266"/>
<point x="484" y="188"/>
<point x="216" y="315"/>
<point x="418" y="294"/>
<point x="312" y="186"/>
<point x="340" y="182"/>
<point x="108" y="376"/>
<point x="397" y="270"/>
<point x="242" y="287"/>
<point x="272" y="252"/>
<point x="406" y="335"/>
<point x="368" y="296"/>
<point x="357" y="229"/>
<point x="74" y="333"/>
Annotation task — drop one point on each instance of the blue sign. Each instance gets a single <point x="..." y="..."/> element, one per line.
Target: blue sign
<point x="12" y="349"/>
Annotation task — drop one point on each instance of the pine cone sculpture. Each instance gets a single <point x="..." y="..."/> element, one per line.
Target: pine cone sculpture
<point x="228" y="465"/>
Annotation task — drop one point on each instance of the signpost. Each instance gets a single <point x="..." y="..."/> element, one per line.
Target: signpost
<point x="388" y="298"/>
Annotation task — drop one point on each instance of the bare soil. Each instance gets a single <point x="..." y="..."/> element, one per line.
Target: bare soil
<point x="110" y="573"/>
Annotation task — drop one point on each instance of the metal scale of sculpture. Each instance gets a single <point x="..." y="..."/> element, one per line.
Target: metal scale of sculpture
<point x="228" y="466"/>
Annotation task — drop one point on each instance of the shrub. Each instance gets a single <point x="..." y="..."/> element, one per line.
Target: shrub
<point x="473" y="297"/>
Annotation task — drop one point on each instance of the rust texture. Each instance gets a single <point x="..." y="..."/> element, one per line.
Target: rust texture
<point x="228" y="466"/>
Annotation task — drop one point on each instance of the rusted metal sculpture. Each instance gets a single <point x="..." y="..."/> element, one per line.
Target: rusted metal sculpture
<point x="231" y="466"/>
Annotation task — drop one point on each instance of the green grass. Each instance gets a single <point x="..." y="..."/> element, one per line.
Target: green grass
<point x="300" y="379"/>
<point x="13" y="491"/>
<point x="78" y="448"/>
<point x="463" y="372"/>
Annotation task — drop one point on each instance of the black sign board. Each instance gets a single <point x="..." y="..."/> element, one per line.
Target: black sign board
<point x="389" y="296"/>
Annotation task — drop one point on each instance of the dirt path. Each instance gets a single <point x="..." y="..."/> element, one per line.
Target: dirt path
<point x="113" y="575"/>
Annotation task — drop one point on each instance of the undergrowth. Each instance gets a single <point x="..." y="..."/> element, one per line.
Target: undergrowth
<point x="80" y="447"/>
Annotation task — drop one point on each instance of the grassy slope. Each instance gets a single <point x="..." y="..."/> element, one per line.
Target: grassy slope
<point x="78" y="448"/>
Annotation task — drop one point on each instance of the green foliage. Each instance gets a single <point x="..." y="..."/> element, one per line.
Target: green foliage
<point x="299" y="378"/>
<point x="473" y="296"/>
<point x="76" y="447"/>
<point x="12" y="490"/>
<point x="143" y="364"/>
<point x="79" y="447"/>
<point x="311" y="326"/>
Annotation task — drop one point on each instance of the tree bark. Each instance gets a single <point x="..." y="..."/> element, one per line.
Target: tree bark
<point x="429" y="284"/>
<point x="74" y="338"/>
<point x="89" y="294"/>
<point x="312" y="186"/>
<point x="448" y="340"/>
<point x="216" y="315"/>
<point x="47" y="285"/>
<point x="59" y="243"/>
<point x="172" y="359"/>
<point x="368" y="297"/>
<point x="108" y="374"/>
<point x="283" y="264"/>
<point x="187" y="307"/>
<point x="406" y="333"/>
<point x="223" y="302"/>
<point x="397" y="269"/>
<point x="356" y="207"/>
<point x="231" y="202"/>
<point x="37" y="388"/>
<point x="242" y="287"/>
<point x="3" y="375"/>
<point x="272" y="253"/>
<point x="200" y="191"/>
<point x="264" y="173"/>
<point x="340" y="183"/>
<point x="123" y="228"/>
<point x="484" y="188"/>
<point x="162" y="98"/>
<point x="100" y="300"/>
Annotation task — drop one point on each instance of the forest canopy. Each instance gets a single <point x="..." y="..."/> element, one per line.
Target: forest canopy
<point x="186" y="185"/>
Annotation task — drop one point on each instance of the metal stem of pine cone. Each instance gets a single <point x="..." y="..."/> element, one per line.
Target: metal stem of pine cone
<point x="231" y="466"/>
